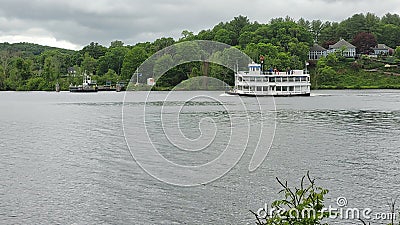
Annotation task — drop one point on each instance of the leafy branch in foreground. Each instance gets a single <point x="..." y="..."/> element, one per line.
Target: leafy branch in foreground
<point x="300" y="206"/>
<point x="305" y="206"/>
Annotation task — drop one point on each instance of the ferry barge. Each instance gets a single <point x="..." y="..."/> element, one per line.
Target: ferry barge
<point x="87" y="85"/>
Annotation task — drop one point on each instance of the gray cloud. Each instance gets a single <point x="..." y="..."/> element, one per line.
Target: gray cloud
<point x="80" y="22"/>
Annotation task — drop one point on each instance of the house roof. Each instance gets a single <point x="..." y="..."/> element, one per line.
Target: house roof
<point x="317" y="48"/>
<point x="382" y="47"/>
<point x="340" y="44"/>
<point x="71" y="70"/>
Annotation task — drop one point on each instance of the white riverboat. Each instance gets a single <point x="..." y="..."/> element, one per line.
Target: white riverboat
<point x="255" y="82"/>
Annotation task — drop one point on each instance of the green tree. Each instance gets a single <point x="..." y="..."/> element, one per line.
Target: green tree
<point x="173" y="76"/>
<point x="246" y="38"/>
<point x="389" y="35"/>
<point x="89" y="64"/>
<point x="188" y="51"/>
<point x="133" y="59"/>
<point x="222" y="73"/>
<point x="303" y="205"/>
<point x="224" y="36"/>
<point x="236" y="26"/>
<point x="187" y="35"/>
<point x="304" y="23"/>
<point x="51" y="67"/>
<point x="116" y="43"/>
<point x="205" y="35"/>
<point x="2" y="79"/>
<point x="36" y="84"/>
<point x="5" y="59"/>
<point x="20" y="71"/>
<point x="316" y="28"/>
<point x="393" y="19"/>
<point x="262" y="34"/>
<point x="195" y="72"/>
<point x="281" y="33"/>
<point x="397" y="52"/>
<point x="94" y="50"/>
<point x="354" y="25"/>
<point x="299" y="49"/>
<point x="331" y="31"/>
<point x="325" y="74"/>
<point x="162" y="43"/>
<point x="372" y="23"/>
<point x="52" y="64"/>
<point x="113" y="59"/>
<point x="110" y="76"/>
<point x="161" y="64"/>
<point x="283" y="61"/>
<point x="253" y="51"/>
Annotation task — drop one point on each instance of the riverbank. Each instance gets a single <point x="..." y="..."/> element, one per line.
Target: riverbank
<point x="347" y="74"/>
<point x="362" y="73"/>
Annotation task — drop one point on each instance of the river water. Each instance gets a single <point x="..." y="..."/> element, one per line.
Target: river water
<point x="64" y="157"/>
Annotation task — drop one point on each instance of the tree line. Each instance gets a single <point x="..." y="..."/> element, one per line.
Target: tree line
<point x="283" y="42"/>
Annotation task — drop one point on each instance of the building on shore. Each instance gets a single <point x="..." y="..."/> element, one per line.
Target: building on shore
<point x="348" y="50"/>
<point x="382" y="49"/>
<point x="316" y="52"/>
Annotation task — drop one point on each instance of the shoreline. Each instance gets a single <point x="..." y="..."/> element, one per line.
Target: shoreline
<point x="324" y="88"/>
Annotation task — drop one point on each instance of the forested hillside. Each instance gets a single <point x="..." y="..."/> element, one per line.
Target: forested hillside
<point x="283" y="41"/>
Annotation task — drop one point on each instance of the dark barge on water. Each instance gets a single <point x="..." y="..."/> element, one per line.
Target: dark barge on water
<point x="87" y="85"/>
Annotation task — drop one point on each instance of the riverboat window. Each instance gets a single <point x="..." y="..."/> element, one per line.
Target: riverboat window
<point x="258" y="79"/>
<point x="284" y="79"/>
<point x="278" y="88"/>
<point x="259" y="88"/>
<point x="252" y="88"/>
<point x="245" y="87"/>
<point x="272" y="79"/>
<point x="265" y="88"/>
<point x="278" y="79"/>
<point x="297" y="88"/>
<point x="284" y="88"/>
<point x="303" y="79"/>
<point x="252" y="78"/>
<point x="291" y="88"/>
<point x="291" y="79"/>
<point x="297" y="79"/>
<point x="265" y="79"/>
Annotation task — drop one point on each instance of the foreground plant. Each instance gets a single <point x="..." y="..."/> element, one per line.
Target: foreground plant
<point x="300" y="206"/>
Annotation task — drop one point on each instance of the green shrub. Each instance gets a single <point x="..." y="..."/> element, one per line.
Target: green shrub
<point x="296" y="201"/>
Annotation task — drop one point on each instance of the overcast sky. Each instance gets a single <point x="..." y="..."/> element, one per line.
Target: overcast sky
<point x="75" y="23"/>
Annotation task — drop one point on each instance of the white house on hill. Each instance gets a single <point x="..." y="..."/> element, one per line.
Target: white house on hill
<point x="316" y="52"/>
<point x="382" y="49"/>
<point x="349" y="50"/>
